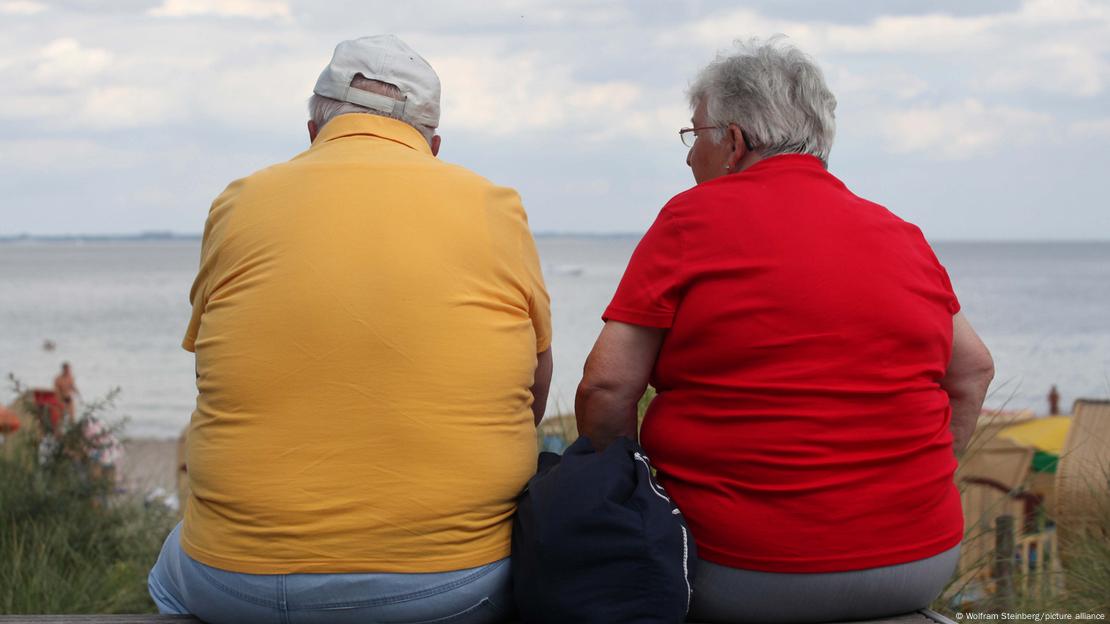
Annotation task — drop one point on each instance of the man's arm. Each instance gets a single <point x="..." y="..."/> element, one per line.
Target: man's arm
<point x="614" y="379"/>
<point x="969" y="374"/>
<point x="541" y="385"/>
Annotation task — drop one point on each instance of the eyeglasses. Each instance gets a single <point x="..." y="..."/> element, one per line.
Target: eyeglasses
<point x="689" y="135"/>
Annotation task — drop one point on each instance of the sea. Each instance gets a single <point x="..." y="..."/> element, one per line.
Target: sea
<point x="117" y="311"/>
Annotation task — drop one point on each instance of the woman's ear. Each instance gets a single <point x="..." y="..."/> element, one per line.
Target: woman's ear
<point x="739" y="147"/>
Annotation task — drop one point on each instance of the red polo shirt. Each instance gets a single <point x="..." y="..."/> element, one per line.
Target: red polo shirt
<point x="800" y="424"/>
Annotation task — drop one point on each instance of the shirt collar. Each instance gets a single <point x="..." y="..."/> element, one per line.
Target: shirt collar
<point x="787" y="160"/>
<point x="356" y="124"/>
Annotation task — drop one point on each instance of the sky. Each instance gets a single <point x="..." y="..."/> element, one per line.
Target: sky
<point x="986" y="120"/>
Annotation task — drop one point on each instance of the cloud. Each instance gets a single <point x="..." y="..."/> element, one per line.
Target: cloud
<point x="1057" y="46"/>
<point x="126" y="106"/>
<point x="33" y="107"/>
<point x="253" y="9"/>
<point x="564" y="87"/>
<point x="494" y="92"/>
<point x="1044" y="12"/>
<point x="900" y="33"/>
<point x="1089" y="128"/>
<point x="898" y="84"/>
<point x="1062" y="67"/>
<point x="65" y="62"/>
<point x="64" y="155"/>
<point x="267" y="93"/>
<point x="906" y="33"/>
<point x="959" y="130"/>
<point x="23" y="7"/>
<point x="69" y="85"/>
<point x="920" y="33"/>
<point x="96" y="108"/>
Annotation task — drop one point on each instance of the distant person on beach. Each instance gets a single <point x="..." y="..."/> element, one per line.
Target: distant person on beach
<point x="65" y="386"/>
<point x="815" y="376"/>
<point x="372" y="338"/>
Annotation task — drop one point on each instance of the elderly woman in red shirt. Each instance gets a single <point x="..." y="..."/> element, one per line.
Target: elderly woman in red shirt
<point x="815" y="376"/>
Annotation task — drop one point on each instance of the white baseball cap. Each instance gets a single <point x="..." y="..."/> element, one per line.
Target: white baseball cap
<point x="388" y="59"/>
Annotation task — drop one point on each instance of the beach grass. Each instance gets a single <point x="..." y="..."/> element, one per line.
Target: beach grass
<point x="1078" y="583"/>
<point x="69" y="542"/>
<point x="1084" y="555"/>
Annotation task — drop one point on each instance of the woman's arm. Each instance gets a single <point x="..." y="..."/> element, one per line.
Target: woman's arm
<point x="613" y="380"/>
<point x="969" y="374"/>
<point x="541" y="385"/>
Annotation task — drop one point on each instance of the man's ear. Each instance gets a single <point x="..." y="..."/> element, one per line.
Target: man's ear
<point x="435" y="144"/>
<point x="739" y="146"/>
<point x="312" y="131"/>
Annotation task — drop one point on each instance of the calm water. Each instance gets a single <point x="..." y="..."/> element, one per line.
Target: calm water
<point x="117" y="311"/>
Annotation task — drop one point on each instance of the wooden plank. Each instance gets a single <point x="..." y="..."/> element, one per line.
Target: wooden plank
<point x="936" y="617"/>
<point x="151" y="619"/>
<point x="909" y="618"/>
<point x="921" y="617"/>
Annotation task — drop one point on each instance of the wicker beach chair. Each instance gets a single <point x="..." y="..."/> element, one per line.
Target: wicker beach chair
<point x="1000" y="460"/>
<point x="989" y="479"/>
<point x="990" y="422"/>
<point x="1083" y="473"/>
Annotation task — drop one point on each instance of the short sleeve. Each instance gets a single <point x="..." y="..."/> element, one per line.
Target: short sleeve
<point x="202" y="285"/>
<point x="650" y="289"/>
<point x="198" y="294"/>
<point x="189" y="343"/>
<point x="539" y="302"/>
<point x="953" y="302"/>
<point x="525" y="260"/>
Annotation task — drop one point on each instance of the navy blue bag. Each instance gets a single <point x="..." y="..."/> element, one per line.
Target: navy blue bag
<point x="596" y="539"/>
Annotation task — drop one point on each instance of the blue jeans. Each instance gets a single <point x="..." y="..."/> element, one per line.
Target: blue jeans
<point x="179" y="584"/>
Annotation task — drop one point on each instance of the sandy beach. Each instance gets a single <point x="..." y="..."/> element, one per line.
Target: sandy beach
<point x="149" y="464"/>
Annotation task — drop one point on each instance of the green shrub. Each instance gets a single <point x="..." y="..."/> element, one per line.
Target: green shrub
<point x="68" y="542"/>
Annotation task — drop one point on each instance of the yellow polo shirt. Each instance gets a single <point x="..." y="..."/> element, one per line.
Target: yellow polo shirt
<point x="366" y="320"/>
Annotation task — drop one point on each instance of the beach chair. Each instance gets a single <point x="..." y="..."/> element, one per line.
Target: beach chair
<point x="1083" y="473"/>
<point x="990" y="480"/>
<point x="1000" y="460"/>
<point x="991" y="422"/>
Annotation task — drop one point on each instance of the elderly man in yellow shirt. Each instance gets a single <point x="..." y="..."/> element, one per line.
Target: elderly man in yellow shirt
<point x="372" y="338"/>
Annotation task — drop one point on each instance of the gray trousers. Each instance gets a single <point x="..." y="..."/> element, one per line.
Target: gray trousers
<point x="723" y="594"/>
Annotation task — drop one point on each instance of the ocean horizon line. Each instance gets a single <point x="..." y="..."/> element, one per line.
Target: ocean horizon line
<point x="168" y="235"/>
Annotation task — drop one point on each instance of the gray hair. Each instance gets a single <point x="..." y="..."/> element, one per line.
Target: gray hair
<point x="774" y="93"/>
<point x="323" y="109"/>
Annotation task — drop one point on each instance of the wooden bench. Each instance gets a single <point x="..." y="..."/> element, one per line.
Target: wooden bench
<point x="921" y="617"/>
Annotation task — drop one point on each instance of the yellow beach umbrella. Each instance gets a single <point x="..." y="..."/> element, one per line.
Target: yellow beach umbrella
<point x="1044" y="434"/>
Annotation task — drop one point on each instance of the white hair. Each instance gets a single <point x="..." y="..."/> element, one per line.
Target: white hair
<point x="323" y="109"/>
<point x="774" y="93"/>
